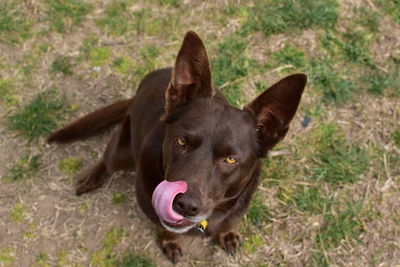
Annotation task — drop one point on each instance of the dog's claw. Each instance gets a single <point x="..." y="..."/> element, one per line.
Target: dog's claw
<point x="230" y="242"/>
<point x="173" y="251"/>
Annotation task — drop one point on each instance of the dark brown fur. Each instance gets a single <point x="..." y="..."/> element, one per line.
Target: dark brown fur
<point x="181" y="102"/>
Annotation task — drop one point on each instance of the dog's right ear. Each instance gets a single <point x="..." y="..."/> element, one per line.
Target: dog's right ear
<point x="191" y="75"/>
<point x="275" y="108"/>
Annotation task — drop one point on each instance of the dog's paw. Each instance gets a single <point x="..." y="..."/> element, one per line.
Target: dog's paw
<point x="91" y="179"/>
<point x="230" y="241"/>
<point x="172" y="250"/>
<point x="84" y="186"/>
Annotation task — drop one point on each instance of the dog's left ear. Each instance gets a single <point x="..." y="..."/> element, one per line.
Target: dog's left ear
<point x="191" y="75"/>
<point x="274" y="109"/>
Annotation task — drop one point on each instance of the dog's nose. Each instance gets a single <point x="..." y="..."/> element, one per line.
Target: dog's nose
<point x="185" y="205"/>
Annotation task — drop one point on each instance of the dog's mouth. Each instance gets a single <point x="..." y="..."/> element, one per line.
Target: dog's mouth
<point x="162" y="200"/>
<point x="184" y="225"/>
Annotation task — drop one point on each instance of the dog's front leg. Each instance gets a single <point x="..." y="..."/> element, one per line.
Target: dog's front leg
<point x="170" y="245"/>
<point x="228" y="236"/>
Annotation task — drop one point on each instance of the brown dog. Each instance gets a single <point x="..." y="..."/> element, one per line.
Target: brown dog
<point x="179" y="127"/>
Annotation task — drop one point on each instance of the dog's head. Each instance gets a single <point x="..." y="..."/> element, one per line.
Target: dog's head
<point x="212" y="146"/>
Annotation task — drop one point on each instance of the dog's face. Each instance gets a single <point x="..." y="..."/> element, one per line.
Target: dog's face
<point x="212" y="146"/>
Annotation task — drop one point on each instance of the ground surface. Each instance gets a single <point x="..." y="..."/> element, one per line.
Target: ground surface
<point x="330" y="191"/>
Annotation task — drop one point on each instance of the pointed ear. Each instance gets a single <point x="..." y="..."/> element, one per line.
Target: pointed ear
<point x="191" y="75"/>
<point x="274" y="109"/>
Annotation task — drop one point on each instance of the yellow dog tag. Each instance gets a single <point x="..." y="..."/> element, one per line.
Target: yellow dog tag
<point x="202" y="227"/>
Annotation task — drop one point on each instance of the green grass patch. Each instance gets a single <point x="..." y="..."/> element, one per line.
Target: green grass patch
<point x="113" y="237"/>
<point x="18" y="213"/>
<point x="39" y="117"/>
<point x="7" y="93"/>
<point x="83" y="208"/>
<point x="377" y="82"/>
<point x="172" y="3"/>
<point x="252" y="243"/>
<point x="337" y="227"/>
<point x="99" y="56"/>
<point x="277" y="169"/>
<point x="62" y="14"/>
<point x="148" y="61"/>
<point x="311" y="200"/>
<point x="396" y="137"/>
<point x="70" y="165"/>
<point x="351" y="46"/>
<point x="368" y="18"/>
<point x="117" y="20"/>
<point x="14" y="26"/>
<point x="89" y="42"/>
<point x="330" y="81"/>
<point x="7" y="257"/>
<point x="231" y="67"/>
<point x="392" y="8"/>
<point x="258" y="210"/>
<point x="118" y="198"/>
<point x="335" y="160"/>
<point x="123" y="65"/>
<point x="132" y="260"/>
<point x="272" y="17"/>
<point x="26" y="167"/>
<point x="62" y="65"/>
<point x="28" y="64"/>
<point x="42" y="260"/>
<point x="107" y="257"/>
<point x="291" y="55"/>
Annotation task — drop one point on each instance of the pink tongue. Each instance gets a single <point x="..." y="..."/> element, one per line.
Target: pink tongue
<point x="163" y="197"/>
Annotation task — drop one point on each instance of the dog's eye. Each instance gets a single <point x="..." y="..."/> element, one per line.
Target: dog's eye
<point x="180" y="142"/>
<point x="230" y="160"/>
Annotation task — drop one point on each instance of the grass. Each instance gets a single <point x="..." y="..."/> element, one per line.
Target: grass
<point x="392" y="8"/>
<point x="352" y="46"/>
<point x="123" y="65"/>
<point x="26" y="167"/>
<point x="63" y="14"/>
<point x="42" y="260"/>
<point x="106" y="256"/>
<point x="62" y="65"/>
<point x="330" y="81"/>
<point x="231" y="66"/>
<point x="377" y="82"/>
<point x="368" y="18"/>
<point x="7" y="256"/>
<point x="252" y="243"/>
<point x="117" y="19"/>
<point x="39" y="117"/>
<point x="258" y="211"/>
<point x="7" y="93"/>
<point x="290" y="55"/>
<point x="311" y="200"/>
<point x="335" y="160"/>
<point x="307" y="211"/>
<point x="273" y="17"/>
<point x="70" y="165"/>
<point x="118" y="198"/>
<point x="18" y="213"/>
<point x="343" y="225"/>
<point x="14" y="26"/>
<point x="396" y="137"/>
<point x="133" y="260"/>
<point x="99" y="56"/>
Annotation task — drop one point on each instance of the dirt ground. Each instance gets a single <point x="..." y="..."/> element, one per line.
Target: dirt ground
<point x="43" y="223"/>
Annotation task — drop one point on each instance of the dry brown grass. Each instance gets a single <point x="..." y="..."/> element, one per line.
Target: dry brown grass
<point x="56" y="222"/>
